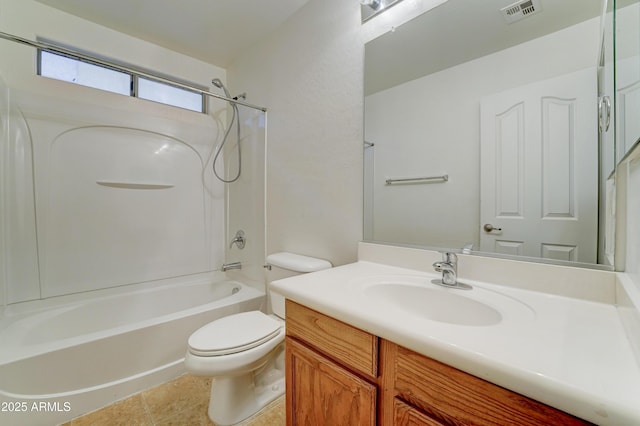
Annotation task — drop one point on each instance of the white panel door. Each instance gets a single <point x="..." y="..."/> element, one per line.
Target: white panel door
<point x="539" y="169"/>
<point x="628" y="104"/>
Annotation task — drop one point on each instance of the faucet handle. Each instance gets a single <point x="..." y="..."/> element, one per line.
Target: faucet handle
<point x="450" y="258"/>
<point x="238" y="240"/>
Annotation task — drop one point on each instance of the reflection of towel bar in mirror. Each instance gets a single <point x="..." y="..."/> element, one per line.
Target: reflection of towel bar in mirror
<point x="134" y="185"/>
<point x="425" y="179"/>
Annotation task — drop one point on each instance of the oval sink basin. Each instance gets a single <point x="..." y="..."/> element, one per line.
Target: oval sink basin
<point x="436" y="305"/>
<point x="418" y="297"/>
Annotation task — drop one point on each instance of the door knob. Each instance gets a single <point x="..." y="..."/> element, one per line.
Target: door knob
<point x="489" y="227"/>
<point x="604" y="113"/>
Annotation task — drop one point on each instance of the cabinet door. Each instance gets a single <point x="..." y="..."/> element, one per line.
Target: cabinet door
<point x="405" y="415"/>
<point x="319" y="392"/>
<point x="343" y="343"/>
<point x="455" y="397"/>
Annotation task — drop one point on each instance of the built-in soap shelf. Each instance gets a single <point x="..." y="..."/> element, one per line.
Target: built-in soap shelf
<point x="134" y="185"/>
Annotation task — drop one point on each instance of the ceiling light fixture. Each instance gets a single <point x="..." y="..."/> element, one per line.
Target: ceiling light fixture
<point x="371" y="8"/>
<point x="373" y="4"/>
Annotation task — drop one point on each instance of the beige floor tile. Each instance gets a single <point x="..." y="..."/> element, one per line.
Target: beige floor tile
<point x="174" y="397"/>
<point x="196" y="415"/>
<point x="190" y="417"/>
<point x="272" y="415"/>
<point x="129" y="412"/>
<point x="181" y="402"/>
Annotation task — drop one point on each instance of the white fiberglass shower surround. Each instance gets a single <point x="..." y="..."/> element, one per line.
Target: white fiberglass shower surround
<point x="113" y="230"/>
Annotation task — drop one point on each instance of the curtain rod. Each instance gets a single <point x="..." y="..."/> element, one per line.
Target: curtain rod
<point x="131" y="70"/>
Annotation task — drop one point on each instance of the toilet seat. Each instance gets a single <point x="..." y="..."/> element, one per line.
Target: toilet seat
<point x="233" y="334"/>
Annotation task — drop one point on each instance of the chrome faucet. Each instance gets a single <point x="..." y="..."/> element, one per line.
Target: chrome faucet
<point x="234" y="265"/>
<point x="449" y="268"/>
<point x="238" y="240"/>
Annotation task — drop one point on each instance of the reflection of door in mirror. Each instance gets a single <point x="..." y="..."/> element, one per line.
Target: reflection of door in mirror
<point x="627" y="70"/>
<point x="539" y="169"/>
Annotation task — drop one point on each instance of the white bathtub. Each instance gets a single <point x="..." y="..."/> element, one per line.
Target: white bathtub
<point x="61" y="359"/>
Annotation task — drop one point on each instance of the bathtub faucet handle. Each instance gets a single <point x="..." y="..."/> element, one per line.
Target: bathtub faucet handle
<point x="238" y="240"/>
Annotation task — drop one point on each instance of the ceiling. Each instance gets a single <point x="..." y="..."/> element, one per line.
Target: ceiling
<point x="214" y="31"/>
<point x="458" y="31"/>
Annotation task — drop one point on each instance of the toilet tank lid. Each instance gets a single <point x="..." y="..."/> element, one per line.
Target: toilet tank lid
<point x="297" y="262"/>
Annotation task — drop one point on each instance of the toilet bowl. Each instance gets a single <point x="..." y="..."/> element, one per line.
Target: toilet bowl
<point x="244" y="352"/>
<point x="244" y="355"/>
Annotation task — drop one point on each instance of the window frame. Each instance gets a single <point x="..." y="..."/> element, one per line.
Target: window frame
<point x="133" y="79"/>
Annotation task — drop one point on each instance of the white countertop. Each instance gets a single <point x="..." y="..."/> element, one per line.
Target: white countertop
<point x="569" y="353"/>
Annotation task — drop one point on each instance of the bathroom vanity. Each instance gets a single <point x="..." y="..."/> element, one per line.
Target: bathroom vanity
<point x="361" y="377"/>
<point x="365" y="346"/>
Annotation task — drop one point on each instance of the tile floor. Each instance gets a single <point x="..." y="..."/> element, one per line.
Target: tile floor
<point x="182" y="401"/>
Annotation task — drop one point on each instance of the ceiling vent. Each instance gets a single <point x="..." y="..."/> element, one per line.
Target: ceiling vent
<point x="520" y="10"/>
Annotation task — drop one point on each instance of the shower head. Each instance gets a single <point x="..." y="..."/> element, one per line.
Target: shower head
<point x="218" y="83"/>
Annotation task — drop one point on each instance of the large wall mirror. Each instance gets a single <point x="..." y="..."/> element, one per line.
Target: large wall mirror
<point x="483" y="126"/>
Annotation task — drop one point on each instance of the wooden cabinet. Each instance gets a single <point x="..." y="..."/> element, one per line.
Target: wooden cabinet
<point x="340" y="375"/>
<point x="347" y="345"/>
<point x="331" y="371"/>
<point x="446" y="395"/>
<point x="323" y="393"/>
<point x="406" y="415"/>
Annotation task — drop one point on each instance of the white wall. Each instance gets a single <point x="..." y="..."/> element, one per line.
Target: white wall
<point x="430" y="126"/>
<point x="309" y="75"/>
<point x="32" y="20"/>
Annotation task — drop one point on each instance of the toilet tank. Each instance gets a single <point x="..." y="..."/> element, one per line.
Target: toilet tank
<point x="296" y="263"/>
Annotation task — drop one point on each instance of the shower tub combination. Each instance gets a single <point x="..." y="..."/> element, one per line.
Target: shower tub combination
<point x="64" y="358"/>
<point x="114" y="233"/>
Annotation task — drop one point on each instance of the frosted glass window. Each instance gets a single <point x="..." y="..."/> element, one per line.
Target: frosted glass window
<point x="170" y="95"/>
<point x="83" y="73"/>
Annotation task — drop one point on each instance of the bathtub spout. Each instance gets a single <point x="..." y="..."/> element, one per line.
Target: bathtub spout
<point x="233" y="265"/>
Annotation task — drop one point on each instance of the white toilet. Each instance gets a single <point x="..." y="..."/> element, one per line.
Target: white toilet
<point x="244" y="353"/>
